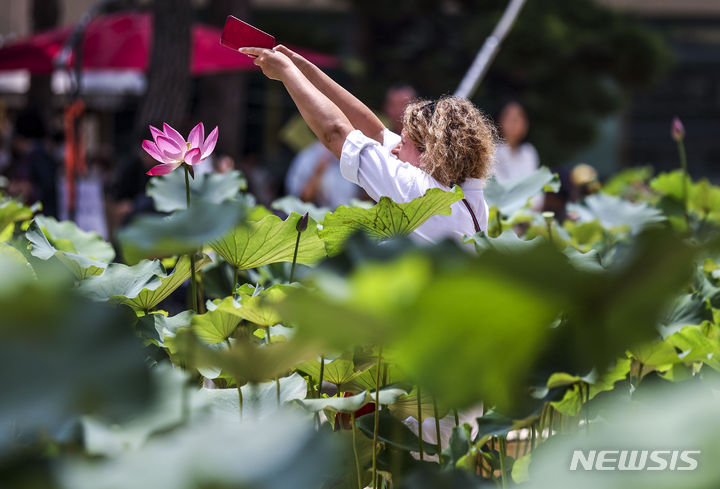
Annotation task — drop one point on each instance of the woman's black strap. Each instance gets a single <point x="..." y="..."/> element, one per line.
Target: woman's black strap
<point x="475" y="221"/>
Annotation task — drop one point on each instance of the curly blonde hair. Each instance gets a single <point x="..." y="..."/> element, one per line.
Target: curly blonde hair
<point x="456" y="140"/>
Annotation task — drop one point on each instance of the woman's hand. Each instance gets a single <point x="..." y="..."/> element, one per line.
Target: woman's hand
<point x="274" y="64"/>
<point x="294" y="57"/>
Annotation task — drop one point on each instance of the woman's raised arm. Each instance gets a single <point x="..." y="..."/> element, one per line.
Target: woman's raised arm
<point x="326" y="120"/>
<point x="359" y="115"/>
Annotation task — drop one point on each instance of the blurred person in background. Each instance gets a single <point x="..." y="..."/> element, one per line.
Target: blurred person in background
<point x="397" y="98"/>
<point x="127" y="191"/>
<point x="584" y="181"/>
<point x="515" y="157"/>
<point x="32" y="172"/>
<point x="314" y="174"/>
<point x="223" y="164"/>
<point x="259" y="180"/>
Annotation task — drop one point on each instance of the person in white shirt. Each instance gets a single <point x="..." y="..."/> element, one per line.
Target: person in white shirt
<point x="443" y="143"/>
<point x="514" y="157"/>
<point x="314" y="176"/>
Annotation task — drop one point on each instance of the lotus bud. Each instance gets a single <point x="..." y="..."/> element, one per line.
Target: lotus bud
<point x="678" y="130"/>
<point x="302" y="224"/>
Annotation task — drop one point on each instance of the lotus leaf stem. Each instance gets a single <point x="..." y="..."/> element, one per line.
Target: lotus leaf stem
<point x="377" y="416"/>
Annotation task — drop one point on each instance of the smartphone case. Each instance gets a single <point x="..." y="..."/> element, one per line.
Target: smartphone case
<point x="238" y="34"/>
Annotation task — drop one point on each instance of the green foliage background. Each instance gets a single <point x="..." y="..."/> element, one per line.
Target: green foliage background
<point x="571" y="63"/>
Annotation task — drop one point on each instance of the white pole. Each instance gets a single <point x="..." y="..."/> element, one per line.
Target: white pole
<point x="489" y="50"/>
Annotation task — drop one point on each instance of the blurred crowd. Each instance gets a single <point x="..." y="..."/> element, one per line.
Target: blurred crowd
<point x="112" y="190"/>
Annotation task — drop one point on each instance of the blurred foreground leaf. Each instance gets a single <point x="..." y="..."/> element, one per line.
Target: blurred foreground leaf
<point x="276" y="453"/>
<point x="63" y="358"/>
<point x="671" y="417"/>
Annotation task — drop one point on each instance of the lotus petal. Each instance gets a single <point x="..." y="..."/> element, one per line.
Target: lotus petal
<point x="156" y="132"/>
<point x="152" y="149"/>
<point x="174" y="135"/>
<point x="170" y="148"/>
<point x="210" y="143"/>
<point x="197" y="135"/>
<point x="163" y="169"/>
<point x="193" y="156"/>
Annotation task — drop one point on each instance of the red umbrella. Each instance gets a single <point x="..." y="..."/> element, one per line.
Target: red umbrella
<point x="122" y="41"/>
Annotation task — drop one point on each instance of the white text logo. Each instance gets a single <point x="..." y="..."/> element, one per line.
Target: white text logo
<point x="634" y="460"/>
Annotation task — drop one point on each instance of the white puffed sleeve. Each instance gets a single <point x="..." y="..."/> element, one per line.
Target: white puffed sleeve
<point x="370" y="165"/>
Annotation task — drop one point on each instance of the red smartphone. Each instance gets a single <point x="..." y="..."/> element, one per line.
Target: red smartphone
<point x="238" y="34"/>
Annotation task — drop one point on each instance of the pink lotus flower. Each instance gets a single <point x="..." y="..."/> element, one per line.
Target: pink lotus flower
<point x="172" y="150"/>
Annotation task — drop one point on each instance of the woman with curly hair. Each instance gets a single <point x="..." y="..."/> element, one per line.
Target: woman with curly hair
<point x="443" y="143"/>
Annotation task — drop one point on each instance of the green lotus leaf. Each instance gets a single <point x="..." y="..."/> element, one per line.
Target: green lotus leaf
<point x="451" y="299"/>
<point x="259" y="400"/>
<point x="655" y="354"/>
<point x="671" y="184"/>
<point x="168" y="191"/>
<point x="219" y="323"/>
<point x="584" y="234"/>
<point x="493" y="424"/>
<point x="386" y="219"/>
<point x="350" y="404"/>
<point x="259" y="306"/>
<point x="405" y="406"/>
<point x="515" y="194"/>
<point x="694" y="346"/>
<point x="686" y="310"/>
<point x="12" y="211"/>
<point x="81" y="266"/>
<point x="340" y="371"/>
<point x="244" y="361"/>
<point x="589" y="262"/>
<point x="16" y="271"/>
<point x="626" y="180"/>
<point x="292" y="205"/>
<point x="607" y="381"/>
<point x="507" y="242"/>
<point x="66" y="236"/>
<point x="103" y="437"/>
<point x="393" y="432"/>
<point x="282" y="451"/>
<point x="83" y="358"/>
<point x="576" y="396"/>
<point x="614" y="212"/>
<point x="142" y="286"/>
<point x="670" y="415"/>
<point x="182" y="232"/>
<point x="161" y="329"/>
<point x="270" y="240"/>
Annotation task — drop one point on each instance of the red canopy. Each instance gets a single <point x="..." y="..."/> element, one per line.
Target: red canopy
<point x="122" y="41"/>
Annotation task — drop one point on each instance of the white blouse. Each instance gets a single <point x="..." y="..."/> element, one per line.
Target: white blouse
<point x="370" y="165"/>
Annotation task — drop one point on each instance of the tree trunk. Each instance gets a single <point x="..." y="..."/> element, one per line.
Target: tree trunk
<point x="168" y="92"/>
<point x="222" y="98"/>
<point x="44" y="15"/>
